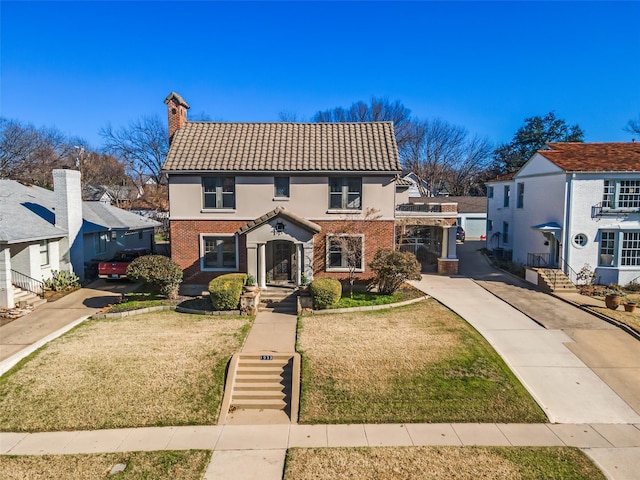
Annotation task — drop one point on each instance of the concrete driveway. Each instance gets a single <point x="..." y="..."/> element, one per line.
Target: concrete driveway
<point x="579" y="368"/>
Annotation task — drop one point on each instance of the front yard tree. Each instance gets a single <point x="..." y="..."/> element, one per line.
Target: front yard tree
<point x="158" y="271"/>
<point x="144" y="144"/>
<point x="531" y="137"/>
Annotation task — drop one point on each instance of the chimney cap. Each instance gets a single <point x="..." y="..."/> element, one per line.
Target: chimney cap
<point x="173" y="96"/>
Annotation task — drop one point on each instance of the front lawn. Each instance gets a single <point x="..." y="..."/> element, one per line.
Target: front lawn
<point x="169" y="465"/>
<point x="162" y="368"/>
<point x="461" y="463"/>
<point x="419" y="363"/>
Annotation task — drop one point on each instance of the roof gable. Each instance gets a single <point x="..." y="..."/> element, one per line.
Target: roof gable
<point x="284" y="147"/>
<point x="279" y="212"/>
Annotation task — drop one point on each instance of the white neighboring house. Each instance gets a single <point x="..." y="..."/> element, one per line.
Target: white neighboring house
<point x="571" y="204"/>
<point x="43" y="230"/>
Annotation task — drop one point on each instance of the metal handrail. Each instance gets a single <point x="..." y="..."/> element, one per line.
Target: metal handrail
<point x="27" y="283"/>
<point x="538" y="260"/>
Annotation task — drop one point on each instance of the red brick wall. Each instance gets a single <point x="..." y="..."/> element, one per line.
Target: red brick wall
<point x="185" y="246"/>
<point x="377" y="234"/>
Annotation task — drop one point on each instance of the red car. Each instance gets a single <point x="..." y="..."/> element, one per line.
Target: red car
<point x="116" y="268"/>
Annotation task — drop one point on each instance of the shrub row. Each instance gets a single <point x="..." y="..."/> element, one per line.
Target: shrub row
<point x="225" y="291"/>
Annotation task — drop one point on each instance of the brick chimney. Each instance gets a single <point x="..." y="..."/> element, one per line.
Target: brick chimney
<point x="177" y="111"/>
<point x="68" y="216"/>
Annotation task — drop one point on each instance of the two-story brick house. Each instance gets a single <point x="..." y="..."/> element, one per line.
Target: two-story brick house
<point x="571" y="204"/>
<point x="274" y="199"/>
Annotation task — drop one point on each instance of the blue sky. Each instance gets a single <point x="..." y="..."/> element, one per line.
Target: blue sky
<point x="484" y="65"/>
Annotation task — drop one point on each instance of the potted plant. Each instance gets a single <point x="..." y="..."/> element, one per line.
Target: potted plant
<point x="630" y="307"/>
<point x="251" y="285"/>
<point x="304" y="282"/>
<point x="613" y="297"/>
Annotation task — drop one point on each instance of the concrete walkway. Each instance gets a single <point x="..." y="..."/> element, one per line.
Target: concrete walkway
<point x="272" y="332"/>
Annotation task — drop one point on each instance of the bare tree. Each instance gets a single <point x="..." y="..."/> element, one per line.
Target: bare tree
<point x="29" y="154"/>
<point x="144" y="144"/>
<point x="633" y="126"/>
<point x="346" y="239"/>
<point x="377" y="110"/>
<point x="445" y="156"/>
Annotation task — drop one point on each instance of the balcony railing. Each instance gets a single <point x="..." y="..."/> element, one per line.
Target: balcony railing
<point x="602" y="209"/>
<point x="412" y="209"/>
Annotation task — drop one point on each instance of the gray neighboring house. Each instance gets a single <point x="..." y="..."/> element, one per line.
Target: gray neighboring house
<point x="43" y="230"/>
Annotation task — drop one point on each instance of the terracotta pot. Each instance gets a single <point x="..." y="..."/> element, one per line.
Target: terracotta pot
<point x="630" y="307"/>
<point x="612" y="301"/>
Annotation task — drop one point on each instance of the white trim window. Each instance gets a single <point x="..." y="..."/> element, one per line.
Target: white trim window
<point x="619" y="248"/>
<point x="621" y="195"/>
<point x="345" y="193"/>
<point x="345" y="252"/>
<point x="218" y="252"/>
<point x="489" y="192"/>
<point x="219" y="192"/>
<point x="505" y="232"/>
<point x="507" y="194"/>
<point x="520" y="199"/>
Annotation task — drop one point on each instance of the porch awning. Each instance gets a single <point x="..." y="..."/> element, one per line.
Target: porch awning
<point x="550" y="227"/>
<point x="279" y="212"/>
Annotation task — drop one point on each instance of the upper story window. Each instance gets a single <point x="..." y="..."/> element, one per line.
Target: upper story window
<point x="345" y="193"/>
<point x="507" y="194"/>
<point x="219" y="192"/>
<point x="621" y="194"/>
<point x="489" y="192"/>
<point x="520" y="200"/>
<point x="281" y="187"/>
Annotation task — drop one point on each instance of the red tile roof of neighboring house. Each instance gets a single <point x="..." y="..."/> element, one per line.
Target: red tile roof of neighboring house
<point x="502" y="178"/>
<point x="284" y="147"/>
<point x="594" y="157"/>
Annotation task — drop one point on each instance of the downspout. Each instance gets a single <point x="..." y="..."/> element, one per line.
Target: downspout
<point x="567" y="215"/>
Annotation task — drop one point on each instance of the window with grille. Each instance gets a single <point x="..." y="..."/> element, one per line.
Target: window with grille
<point x="630" y="254"/>
<point x="219" y="252"/>
<point x="609" y="195"/>
<point x="345" y="193"/>
<point x="621" y="194"/>
<point x="607" y="248"/>
<point x="344" y="252"/>
<point x="219" y="192"/>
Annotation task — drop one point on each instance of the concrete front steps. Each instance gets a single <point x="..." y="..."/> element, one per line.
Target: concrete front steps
<point x="279" y="298"/>
<point x="555" y="280"/>
<point x="24" y="298"/>
<point x="261" y="388"/>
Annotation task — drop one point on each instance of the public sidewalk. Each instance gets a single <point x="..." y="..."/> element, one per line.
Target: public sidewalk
<point x="256" y="452"/>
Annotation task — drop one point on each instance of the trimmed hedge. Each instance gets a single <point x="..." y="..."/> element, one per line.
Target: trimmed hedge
<point x="225" y="291"/>
<point x="325" y="292"/>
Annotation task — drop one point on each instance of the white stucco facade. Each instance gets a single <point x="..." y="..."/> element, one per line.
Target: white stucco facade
<point x="556" y="219"/>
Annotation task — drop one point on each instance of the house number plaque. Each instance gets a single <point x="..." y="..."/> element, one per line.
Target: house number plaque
<point x="266" y="357"/>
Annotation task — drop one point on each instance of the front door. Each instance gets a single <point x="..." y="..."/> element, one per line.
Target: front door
<point x="281" y="260"/>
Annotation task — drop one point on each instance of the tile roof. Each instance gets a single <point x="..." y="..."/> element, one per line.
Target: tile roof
<point x="502" y="178"/>
<point x="279" y="212"/>
<point x="594" y="157"/>
<point x="284" y="147"/>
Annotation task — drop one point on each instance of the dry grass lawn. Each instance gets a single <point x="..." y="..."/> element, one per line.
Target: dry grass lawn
<point x="628" y="318"/>
<point x="420" y="363"/>
<point x="162" y="368"/>
<point x="414" y="463"/>
<point x="167" y="465"/>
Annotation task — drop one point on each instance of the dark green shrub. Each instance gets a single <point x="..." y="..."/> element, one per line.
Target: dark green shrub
<point x="393" y="268"/>
<point x="225" y="291"/>
<point x="159" y="271"/>
<point x="325" y="292"/>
